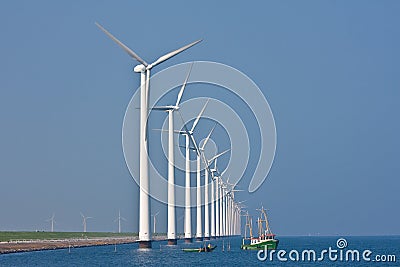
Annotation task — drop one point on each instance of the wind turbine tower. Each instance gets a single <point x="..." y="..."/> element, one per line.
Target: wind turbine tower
<point x="84" y="220"/>
<point x="189" y="139"/>
<point x="171" y="221"/>
<point x="119" y="218"/>
<point x="155" y="222"/>
<point x="52" y="222"/>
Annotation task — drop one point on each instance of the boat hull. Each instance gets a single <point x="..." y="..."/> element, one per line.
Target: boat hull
<point x="271" y="244"/>
<point x="203" y="249"/>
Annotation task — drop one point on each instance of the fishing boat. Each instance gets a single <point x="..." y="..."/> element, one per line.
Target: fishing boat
<point x="208" y="248"/>
<point x="265" y="239"/>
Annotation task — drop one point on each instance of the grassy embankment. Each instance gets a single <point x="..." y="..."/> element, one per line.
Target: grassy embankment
<point x="14" y="235"/>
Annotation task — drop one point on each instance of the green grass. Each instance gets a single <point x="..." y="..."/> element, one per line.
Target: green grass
<point x="8" y="236"/>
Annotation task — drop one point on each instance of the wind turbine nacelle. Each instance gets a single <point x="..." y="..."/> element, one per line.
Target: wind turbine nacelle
<point x="139" y="68"/>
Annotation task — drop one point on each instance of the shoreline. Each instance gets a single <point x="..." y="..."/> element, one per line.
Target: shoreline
<point x="39" y="245"/>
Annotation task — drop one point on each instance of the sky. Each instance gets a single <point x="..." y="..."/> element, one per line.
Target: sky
<point x="329" y="70"/>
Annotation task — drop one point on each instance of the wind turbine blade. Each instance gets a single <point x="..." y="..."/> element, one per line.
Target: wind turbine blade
<point x="173" y="53"/>
<point x="127" y="49"/>
<point x="215" y="170"/>
<point x="164" y="108"/>
<point x="191" y="139"/>
<point x="223" y="172"/>
<point x="198" y="117"/>
<point x="227" y="180"/>
<point x="203" y="158"/>
<point x="220" y="154"/>
<point x="82" y="215"/>
<point x="147" y="88"/>
<point x="178" y="100"/>
<point x="160" y="130"/>
<point x="184" y="124"/>
<point x="195" y="145"/>
<point x="207" y="138"/>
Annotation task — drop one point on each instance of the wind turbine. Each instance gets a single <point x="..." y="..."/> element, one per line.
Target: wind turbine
<point x="206" y="195"/>
<point x="52" y="222"/>
<point x="217" y="221"/>
<point x="155" y="221"/>
<point x="214" y="202"/>
<point x="119" y="218"/>
<point x="171" y="227"/>
<point x="190" y="139"/>
<point x="230" y="197"/>
<point x="235" y="218"/>
<point x="144" y="69"/>
<point x="84" y="221"/>
<point x="240" y="213"/>
<point x="223" y="206"/>
<point x="218" y="194"/>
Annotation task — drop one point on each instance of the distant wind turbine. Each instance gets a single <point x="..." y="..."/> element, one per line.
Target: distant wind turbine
<point x="84" y="222"/>
<point x="155" y="221"/>
<point x="119" y="218"/>
<point x="52" y="222"/>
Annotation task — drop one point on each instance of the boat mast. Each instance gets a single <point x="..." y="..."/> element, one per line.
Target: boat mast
<point x="263" y="218"/>
<point x="249" y="225"/>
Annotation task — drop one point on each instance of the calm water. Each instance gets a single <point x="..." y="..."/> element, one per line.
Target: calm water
<point x="162" y="255"/>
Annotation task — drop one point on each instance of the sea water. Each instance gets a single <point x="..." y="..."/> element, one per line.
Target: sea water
<point x="227" y="253"/>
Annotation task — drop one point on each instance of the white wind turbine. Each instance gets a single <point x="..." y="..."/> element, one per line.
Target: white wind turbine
<point x="84" y="219"/>
<point x="228" y="213"/>
<point x="206" y="194"/>
<point x="214" y="202"/>
<point x="119" y="218"/>
<point x="220" y="208"/>
<point x="52" y="222"/>
<point x="218" y="195"/>
<point x="171" y="226"/>
<point x="230" y="196"/>
<point x="240" y="213"/>
<point x="144" y="69"/>
<point x="155" y="221"/>
<point x="190" y="139"/>
<point x="223" y="206"/>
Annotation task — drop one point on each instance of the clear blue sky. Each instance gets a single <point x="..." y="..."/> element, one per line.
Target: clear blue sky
<point x="329" y="69"/>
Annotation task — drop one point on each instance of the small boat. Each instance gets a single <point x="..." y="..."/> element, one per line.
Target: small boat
<point x="265" y="239"/>
<point x="208" y="248"/>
